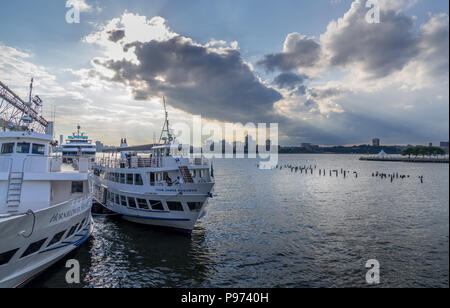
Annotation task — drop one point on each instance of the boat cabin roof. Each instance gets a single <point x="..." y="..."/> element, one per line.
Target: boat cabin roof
<point x="24" y="135"/>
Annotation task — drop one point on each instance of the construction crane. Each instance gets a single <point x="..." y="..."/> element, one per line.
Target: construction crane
<point x="16" y="114"/>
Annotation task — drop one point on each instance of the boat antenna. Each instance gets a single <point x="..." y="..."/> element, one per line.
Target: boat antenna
<point x="168" y="138"/>
<point x="27" y="118"/>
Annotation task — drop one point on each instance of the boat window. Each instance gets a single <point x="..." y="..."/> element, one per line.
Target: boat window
<point x="195" y="206"/>
<point x="142" y="203"/>
<point x="56" y="238"/>
<point x="34" y="247"/>
<point x="82" y="224"/>
<point x="111" y="197"/>
<point x="156" y="205"/>
<point x="116" y="177"/>
<point x="77" y="187"/>
<point x="38" y="149"/>
<point x="117" y="199"/>
<point x="130" y="179"/>
<point x="122" y="178"/>
<point x="7" y="256"/>
<point x="23" y="148"/>
<point x="138" y="179"/>
<point x="131" y="202"/>
<point x="174" y="206"/>
<point x="123" y="200"/>
<point x="72" y="231"/>
<point x="152" y="179"/>
<point x="7" y="148"/>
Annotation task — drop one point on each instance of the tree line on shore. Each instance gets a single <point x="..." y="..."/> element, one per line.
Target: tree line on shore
<point x="423" y="151"/>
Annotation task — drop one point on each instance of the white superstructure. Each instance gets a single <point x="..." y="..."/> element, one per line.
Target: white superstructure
<point x="44" y="205"/>
<point x="160" y="186"/>
<point x="78" y="145"/>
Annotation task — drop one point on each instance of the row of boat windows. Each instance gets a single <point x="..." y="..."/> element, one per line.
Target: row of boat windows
<point x="76" y="153"/>
<point x="122" y="178"/>
<point x="23" y="148"/>
<point x="79" y="146"/>
<point x="144" y="204"/>
<point x="136" y="179"/>
<point x="36" y="246"/>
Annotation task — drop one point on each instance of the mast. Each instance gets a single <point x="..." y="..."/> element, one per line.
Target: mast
<point x="166" y="128"/>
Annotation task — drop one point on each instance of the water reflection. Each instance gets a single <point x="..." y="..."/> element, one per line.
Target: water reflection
<point x="124" y="254"/>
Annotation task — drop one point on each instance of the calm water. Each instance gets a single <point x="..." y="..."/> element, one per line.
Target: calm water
<point x="281" y="229"/>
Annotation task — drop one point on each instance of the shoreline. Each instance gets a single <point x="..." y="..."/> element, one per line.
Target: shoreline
<point x="407" y="159"/>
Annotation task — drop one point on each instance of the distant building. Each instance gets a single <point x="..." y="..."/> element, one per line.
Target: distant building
<point x="61" y="139"/>
<point x="444" y="146"/>
<point x="430" y="144"/>
<point x="99" y="146"/>
<point x="376" y="142"/>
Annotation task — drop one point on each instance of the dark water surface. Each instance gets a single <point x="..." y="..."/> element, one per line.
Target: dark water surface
<point x="281" y="229"/>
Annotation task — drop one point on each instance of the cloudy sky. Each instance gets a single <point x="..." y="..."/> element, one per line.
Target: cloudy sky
<point x="317" y="68"/>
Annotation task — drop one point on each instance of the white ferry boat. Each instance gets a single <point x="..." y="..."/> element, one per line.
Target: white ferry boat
<point x="78" y="145"/>
<point x="44" y="204"/>
<point x="160" y="186"/>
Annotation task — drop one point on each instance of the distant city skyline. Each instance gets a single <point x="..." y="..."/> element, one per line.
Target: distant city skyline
<point x="317" y="68"/>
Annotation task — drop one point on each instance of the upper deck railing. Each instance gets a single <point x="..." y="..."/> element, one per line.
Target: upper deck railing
<point x="147" y="162"/>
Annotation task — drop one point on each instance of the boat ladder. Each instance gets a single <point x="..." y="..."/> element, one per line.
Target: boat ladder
<point x="14" y="191"/>
<point x="186" y="174"/>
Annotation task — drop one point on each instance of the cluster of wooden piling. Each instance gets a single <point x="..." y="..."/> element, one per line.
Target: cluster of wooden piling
<point x="313" y="169"/>
<point x="391" y="176"/>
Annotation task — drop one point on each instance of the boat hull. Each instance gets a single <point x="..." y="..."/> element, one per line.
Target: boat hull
<point x="18" y="233"/>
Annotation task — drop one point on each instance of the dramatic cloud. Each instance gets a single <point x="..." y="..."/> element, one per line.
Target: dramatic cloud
<point x="377" y="49"/>
<point x="208" y="80"/>
<point x="299" y="53"/>
<point x="289" y="80"/>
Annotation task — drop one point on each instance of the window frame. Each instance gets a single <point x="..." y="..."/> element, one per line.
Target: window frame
<point x="156" y="203"/>
<point x="194" y="206"/>
<point x="7" y="144"/>
<point x="140" y="204"/>
<point x="138" y="179"/>
<point x="123" y="199"/>
<point x="25" y="144"/>
<point x="76" y="191"/>
<point x="41" y="146"/>
<point x="129" y="179"/>
<point x="176" y="205"/>
<point x="131" y="202"/>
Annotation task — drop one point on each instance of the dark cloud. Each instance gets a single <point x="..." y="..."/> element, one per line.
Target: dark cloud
<point x="289" y="80"/>
<point x="299" y="52"/>
<point x="377" y="49"/>
<point x="301" y="90"/>
<point x="116" y="35"/>
<point x="217" y="84"/>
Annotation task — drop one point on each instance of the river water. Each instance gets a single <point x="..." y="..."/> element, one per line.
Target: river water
<point x="277" y="228"/>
